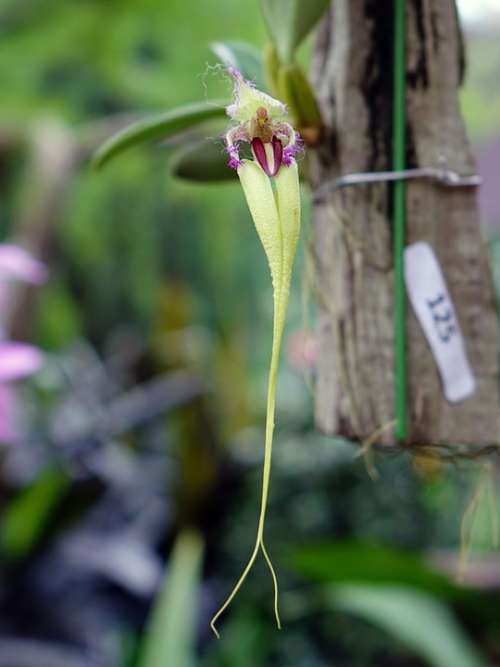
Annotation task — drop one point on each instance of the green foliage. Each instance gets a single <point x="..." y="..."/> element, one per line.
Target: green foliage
<point x="203" y="161"/>
<point x="124" y="239"/>
<point x="272" y="64"/>
<point x="161" y="126"/>
<point x="295" y="90"/>
<point x="59" y="317"/>
<point x="417" y="620"/>
<point x="112" y="241"/>
<point x="290" y="21"/>
<point x="244" y="57"/>
<point x="480" y="95"/>
<point x="369" y="564"/>
<point x="22" y="524"/>
<point x="170" y="632"/>
<point x="88" y="59"/>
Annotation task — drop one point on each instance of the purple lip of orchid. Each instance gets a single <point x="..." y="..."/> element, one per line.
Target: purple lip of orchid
<point x="268" y="155"/>
<point x="261" y="122"/>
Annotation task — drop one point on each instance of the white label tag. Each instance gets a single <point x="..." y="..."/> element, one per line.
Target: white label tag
<point x="434" y="309"/>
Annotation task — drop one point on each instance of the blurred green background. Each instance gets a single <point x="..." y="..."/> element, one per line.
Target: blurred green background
<point x="130" y="503"/>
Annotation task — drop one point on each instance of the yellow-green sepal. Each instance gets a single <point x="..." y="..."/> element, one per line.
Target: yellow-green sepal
<point x="262" y="204"/>
<point x="288" y="203"/>
<point x="276" y="215"/>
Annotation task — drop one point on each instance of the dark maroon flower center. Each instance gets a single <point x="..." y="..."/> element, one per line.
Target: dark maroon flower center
<point x="268" y="154"/>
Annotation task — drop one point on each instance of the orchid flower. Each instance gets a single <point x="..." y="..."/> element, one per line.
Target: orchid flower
<point x="271" y="186"/>
<point x="17" y="360"/>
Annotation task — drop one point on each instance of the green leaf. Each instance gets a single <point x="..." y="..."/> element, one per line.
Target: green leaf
<point x="295" y="91"/>
<point x="271" y="64"/>
<point x="26" y="517"/>
<point x="160" y="126"/>
<point x="417" y="620"/>
<point x="202" y="161"/>
<point x="370" y="564"/>
<point x="244" y="57"/>
<point x="171" y="630"/>
<point x="290" y="21"/>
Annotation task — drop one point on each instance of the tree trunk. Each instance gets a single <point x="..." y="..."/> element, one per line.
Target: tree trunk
<point x="352" y="73"/>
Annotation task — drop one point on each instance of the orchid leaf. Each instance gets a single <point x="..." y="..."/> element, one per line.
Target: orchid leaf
<point x="371" y="564"/>
<point x="418" y="620"/>
<point x="159" y="126"/>
<point x="290" y="21"/>
<point x="171" y="630"/>
<point x="295" y="90"/>
<point x="202" y="161"/>
<point x="244" y="57"/>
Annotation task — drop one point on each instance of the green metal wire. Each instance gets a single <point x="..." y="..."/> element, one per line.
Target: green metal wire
<point x="399" y="222"/>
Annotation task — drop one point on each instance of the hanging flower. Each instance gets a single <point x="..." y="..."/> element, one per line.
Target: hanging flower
<point x="271" y="186"/>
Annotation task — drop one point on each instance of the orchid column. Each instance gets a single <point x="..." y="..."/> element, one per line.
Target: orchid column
<point x="271" y="186"/>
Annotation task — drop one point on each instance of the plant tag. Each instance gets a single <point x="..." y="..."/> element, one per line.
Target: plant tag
<point x="434" y="309"/>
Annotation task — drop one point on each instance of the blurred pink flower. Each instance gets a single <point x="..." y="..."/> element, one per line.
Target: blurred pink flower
<point x="17" y="360"/>
<point x="302" y="350"/>
<point x="18" y="264"/>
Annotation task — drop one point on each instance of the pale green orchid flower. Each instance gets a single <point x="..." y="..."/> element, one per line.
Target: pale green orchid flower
<point x="271" y="187"/>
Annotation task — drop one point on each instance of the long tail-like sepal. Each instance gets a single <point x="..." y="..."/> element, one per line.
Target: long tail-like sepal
<point x="276" y="215"/>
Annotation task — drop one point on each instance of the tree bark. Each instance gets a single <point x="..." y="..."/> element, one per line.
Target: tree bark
<point x="352" y="73"/>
